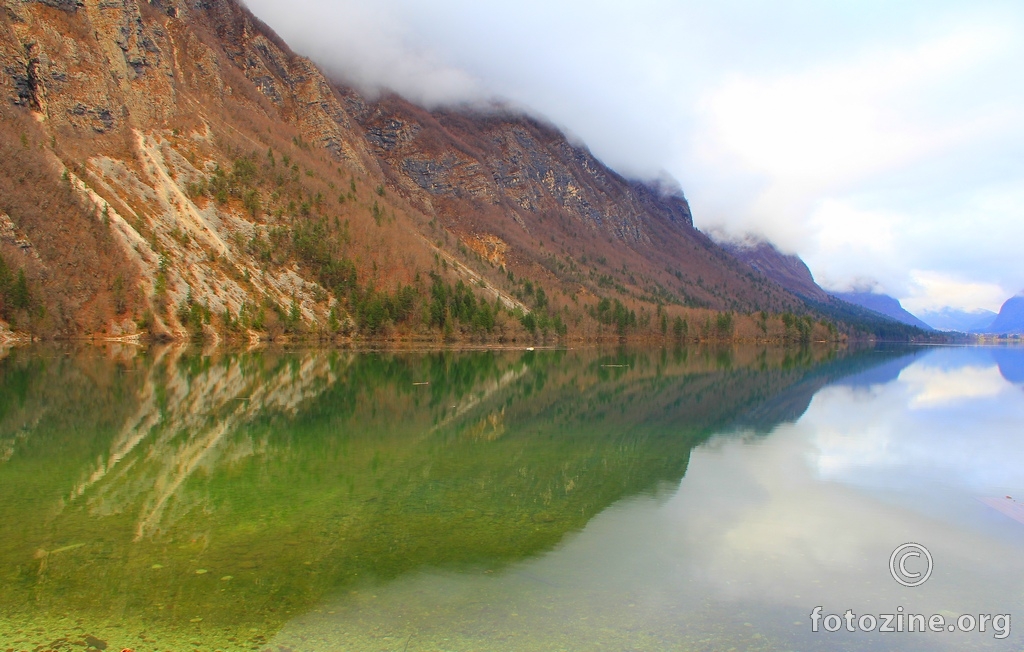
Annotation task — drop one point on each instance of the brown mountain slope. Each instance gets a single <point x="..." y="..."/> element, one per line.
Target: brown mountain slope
<point x="865" y="316"/>
<point x="174" y="167"/>
<point x="787" y="270"/>
<point x="561" y="212"/>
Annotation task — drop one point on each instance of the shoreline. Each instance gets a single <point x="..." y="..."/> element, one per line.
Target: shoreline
<point x="433" y="343"/>
<point x="413" y="345"/>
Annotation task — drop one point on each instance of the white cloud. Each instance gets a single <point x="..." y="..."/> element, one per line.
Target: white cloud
<point x="826" y="144"/>
<point x="371" y="47"/>
<point x="834" y="124"/>
<point x="935" y="290"/>
<point x="842" y="238"/>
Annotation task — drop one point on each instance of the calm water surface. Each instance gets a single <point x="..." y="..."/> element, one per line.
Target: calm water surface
<point x="703" y="499"/>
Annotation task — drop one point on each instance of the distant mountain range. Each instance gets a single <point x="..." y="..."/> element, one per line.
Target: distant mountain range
<point x="963" y="321"/>
<point x="1009" y="320"/>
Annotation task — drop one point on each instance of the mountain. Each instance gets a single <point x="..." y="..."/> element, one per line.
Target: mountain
<point x="506" y="182"/>
<point x="788" y="270"/>
<point x="883" y="304"/>
<point x="963" y="321"/>
<point x="1010" y="319"/>
<point x="792" y="274"/>
<point x="173" y="168"/>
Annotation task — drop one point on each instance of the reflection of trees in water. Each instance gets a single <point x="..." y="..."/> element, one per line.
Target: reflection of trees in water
<point x="254" y="464"/>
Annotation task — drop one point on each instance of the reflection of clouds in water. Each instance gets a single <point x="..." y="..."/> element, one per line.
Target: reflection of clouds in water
<point x="762" y="530"/>
<point x="931" y="387"/>
<point x="940" y="423"/>
<point x="810" y="514"/>
<point x="765" y="524"/>
<point x="765" y="504"/>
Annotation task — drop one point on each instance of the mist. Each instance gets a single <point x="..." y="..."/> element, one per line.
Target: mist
<point x="881" y="143"/>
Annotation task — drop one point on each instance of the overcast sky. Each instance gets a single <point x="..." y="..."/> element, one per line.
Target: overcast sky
<point x="883" y="142"/>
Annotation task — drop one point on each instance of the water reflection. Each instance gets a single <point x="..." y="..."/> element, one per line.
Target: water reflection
<point x="760" y="531"/>
<point x="177" y="498"/>
<point x="810" y="517"/>
<point x="949" y="419"/>
<point x="1011" y="364"/>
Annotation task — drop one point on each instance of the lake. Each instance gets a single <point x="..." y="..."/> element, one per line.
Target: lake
<point x="635" y="499"/>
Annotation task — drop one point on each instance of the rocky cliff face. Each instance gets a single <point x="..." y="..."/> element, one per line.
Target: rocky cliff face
<point x="173" y="166"/>
<point x="562" y="214"/>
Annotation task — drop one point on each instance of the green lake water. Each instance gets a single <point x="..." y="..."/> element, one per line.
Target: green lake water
<point x="655" y="499"/>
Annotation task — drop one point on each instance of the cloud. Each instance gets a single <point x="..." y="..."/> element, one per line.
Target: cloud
<point x="370" y="47"/>
<point x="874" y="139"/>
<point x="837" y="149"/>
<point x="835" y="124"/>
<point x="842" y="237"/>
<point x="935" y="290"/>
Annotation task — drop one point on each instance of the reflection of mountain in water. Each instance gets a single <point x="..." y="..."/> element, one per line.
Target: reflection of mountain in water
<point x="884" y="370"/>
<point x="878" y="366"/>
<point x="183" y="422"/>
<point x="296" y="474"/>
<point x="1011" y="363"/>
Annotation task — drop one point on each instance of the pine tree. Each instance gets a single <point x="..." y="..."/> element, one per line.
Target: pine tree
<point x="20" y="297"/>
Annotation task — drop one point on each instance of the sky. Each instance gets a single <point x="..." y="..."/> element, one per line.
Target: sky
<point x="882" y="142"/>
